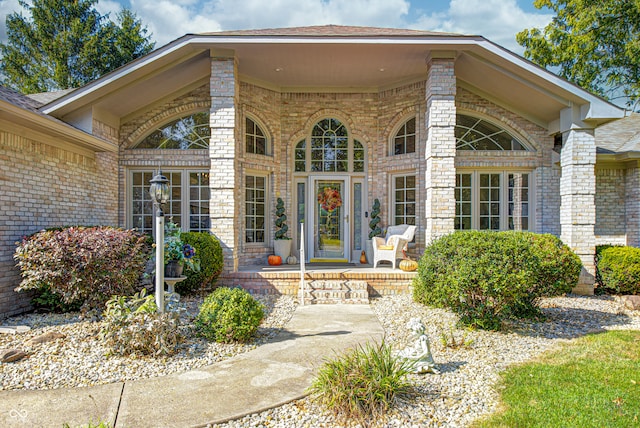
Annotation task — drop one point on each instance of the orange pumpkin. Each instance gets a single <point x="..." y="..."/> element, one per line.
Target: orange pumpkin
<point x="408" y="265"/>
<point x="274" y="260"/>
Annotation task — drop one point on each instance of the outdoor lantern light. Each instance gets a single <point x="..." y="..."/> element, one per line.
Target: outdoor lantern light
<point x="159" y="191"/>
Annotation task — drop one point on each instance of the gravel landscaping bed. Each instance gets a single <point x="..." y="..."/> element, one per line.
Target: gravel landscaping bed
<point x="464" y="389"/>
<point x="461" y="392"/>
<point x="78" y="358"/>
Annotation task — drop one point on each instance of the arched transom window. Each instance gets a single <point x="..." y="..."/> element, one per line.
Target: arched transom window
<point x="473" y="133"/>
<point x="330" y="150"/>
<point x="189" y="132"/>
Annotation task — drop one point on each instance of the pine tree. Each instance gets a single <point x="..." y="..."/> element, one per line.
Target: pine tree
<point x="66" y="44"/>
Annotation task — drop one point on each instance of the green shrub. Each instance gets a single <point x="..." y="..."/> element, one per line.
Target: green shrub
<point x="132" y="326"/>
<point x="362" y="384"/>
<point x="82" y="265"/>
<point x="47" y="300"/>
<point x="619" y="269"/>
<point x="600" y="287"/>
<point x="229" y="315"/>
<point x="487" y="277"/>
<point x="209" y="252"/>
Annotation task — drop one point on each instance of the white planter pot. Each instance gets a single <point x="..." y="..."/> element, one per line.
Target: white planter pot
<point x="368" y="250"/>
<point x="282" y="248"/>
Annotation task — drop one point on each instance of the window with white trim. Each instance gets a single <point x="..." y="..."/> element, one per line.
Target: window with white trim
<point x="493" y="200"/>
<point x="255" y="190"/>
<point x="404" y="199"/>
<point x="188" y="204"/>
<point x="330" y="149"/>
<point x="473" y="133"/>
<point x="255" y="138"/>
<point x="405" y="139"/>
<point x="188" y="132"/>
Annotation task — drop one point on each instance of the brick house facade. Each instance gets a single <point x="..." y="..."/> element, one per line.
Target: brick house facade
<point x="447" y="131"/>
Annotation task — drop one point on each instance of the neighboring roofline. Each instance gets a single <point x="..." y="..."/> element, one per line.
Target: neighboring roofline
<point x="600" y="108"/>
<point x="55" y="126"/>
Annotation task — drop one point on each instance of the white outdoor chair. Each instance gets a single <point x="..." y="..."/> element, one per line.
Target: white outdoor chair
<point x="391" y="247"/>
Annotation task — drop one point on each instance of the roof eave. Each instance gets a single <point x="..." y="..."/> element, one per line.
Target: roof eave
<point x="60" y="129"/>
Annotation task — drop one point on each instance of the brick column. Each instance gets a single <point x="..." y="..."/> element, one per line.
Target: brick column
<point x="222" y="151"/>
<point x="632" y="205"/>
<point x="440" y="152"/>
<point x="577" y="201"/>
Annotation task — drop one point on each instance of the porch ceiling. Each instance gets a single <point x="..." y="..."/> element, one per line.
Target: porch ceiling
<point x="299" y="64"/>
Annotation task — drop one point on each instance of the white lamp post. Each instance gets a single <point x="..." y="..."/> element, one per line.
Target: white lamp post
<point x="159" y="191"/>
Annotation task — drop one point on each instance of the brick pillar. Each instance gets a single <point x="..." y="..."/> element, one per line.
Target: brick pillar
<point x="440" y="152"/>
<point x="632" y="205"/>
<point x="222" y="151"/>
<point x="577" y="201"/>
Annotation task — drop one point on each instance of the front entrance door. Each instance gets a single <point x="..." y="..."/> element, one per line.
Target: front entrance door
<point x="330" y="220"/>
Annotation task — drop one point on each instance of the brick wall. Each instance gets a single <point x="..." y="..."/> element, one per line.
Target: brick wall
<point x="43" y="186"/>
<point x="610" y="227"/>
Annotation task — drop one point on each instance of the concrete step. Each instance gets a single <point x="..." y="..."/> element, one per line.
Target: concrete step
<point x="336" y="291"/>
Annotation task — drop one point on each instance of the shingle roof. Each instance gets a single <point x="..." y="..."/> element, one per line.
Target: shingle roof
<point x="619" y="136"/>
<point x="331" y="30"/>
<point x="17" y="99"/>
<point x="46" y="97"/>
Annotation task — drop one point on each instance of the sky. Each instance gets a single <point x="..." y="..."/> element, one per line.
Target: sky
<point x="497" y="20"/>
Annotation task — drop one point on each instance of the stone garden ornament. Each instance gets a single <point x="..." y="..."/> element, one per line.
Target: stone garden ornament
<point x="420" y="353"/>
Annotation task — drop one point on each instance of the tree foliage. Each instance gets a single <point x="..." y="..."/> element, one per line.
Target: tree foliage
<point x="595" y="44"/>
<point x="67" y="43"/>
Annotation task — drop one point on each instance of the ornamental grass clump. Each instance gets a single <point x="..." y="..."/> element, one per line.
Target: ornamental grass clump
<point x="488" y="277"/>
<point x="362" y="384"/>
<point x="82" y="266"/>
<point x="132" y="326"/>
<point x="229" y="315"/>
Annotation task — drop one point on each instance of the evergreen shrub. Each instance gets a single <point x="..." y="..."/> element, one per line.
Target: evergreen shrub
<point x="209" y="252"/>
<point x="619" y="269"/>
<point x="487" y="277"/>
<point x="229" y="315"/>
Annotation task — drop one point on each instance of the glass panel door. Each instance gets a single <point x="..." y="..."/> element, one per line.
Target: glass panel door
<point x="329" y="240"/>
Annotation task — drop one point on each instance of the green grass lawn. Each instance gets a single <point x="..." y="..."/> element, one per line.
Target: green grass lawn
<point x="592" y="382"/>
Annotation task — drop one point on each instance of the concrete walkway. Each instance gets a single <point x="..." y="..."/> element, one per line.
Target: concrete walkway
<point x="271" y="375"/>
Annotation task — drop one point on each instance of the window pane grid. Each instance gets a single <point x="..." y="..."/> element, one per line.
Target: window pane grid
<point x="199" y="219"/>
<point x="255" y="140"/>
<point x="404" y="203"/>
<point x="189" y="132"/>
<point x="405" y="139"/>
<point x="464" y="191"/>
<point x="193" y="196"/>
<point x="255" y="203"/>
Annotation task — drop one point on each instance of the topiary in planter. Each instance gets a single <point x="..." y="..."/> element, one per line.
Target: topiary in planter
<point x="375" y="220"/>
<point x="281" y="219"/>
<point x="229" y="315"/>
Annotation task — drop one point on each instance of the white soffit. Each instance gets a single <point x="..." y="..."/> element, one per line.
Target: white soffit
<point x="339" y="64"/>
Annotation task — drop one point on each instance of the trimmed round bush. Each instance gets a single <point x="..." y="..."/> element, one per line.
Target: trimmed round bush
<point x="487" y="277"/>
<point x="209" y="252"/>
<point x="619" y="269"/>
<point x="229" y="315"/>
